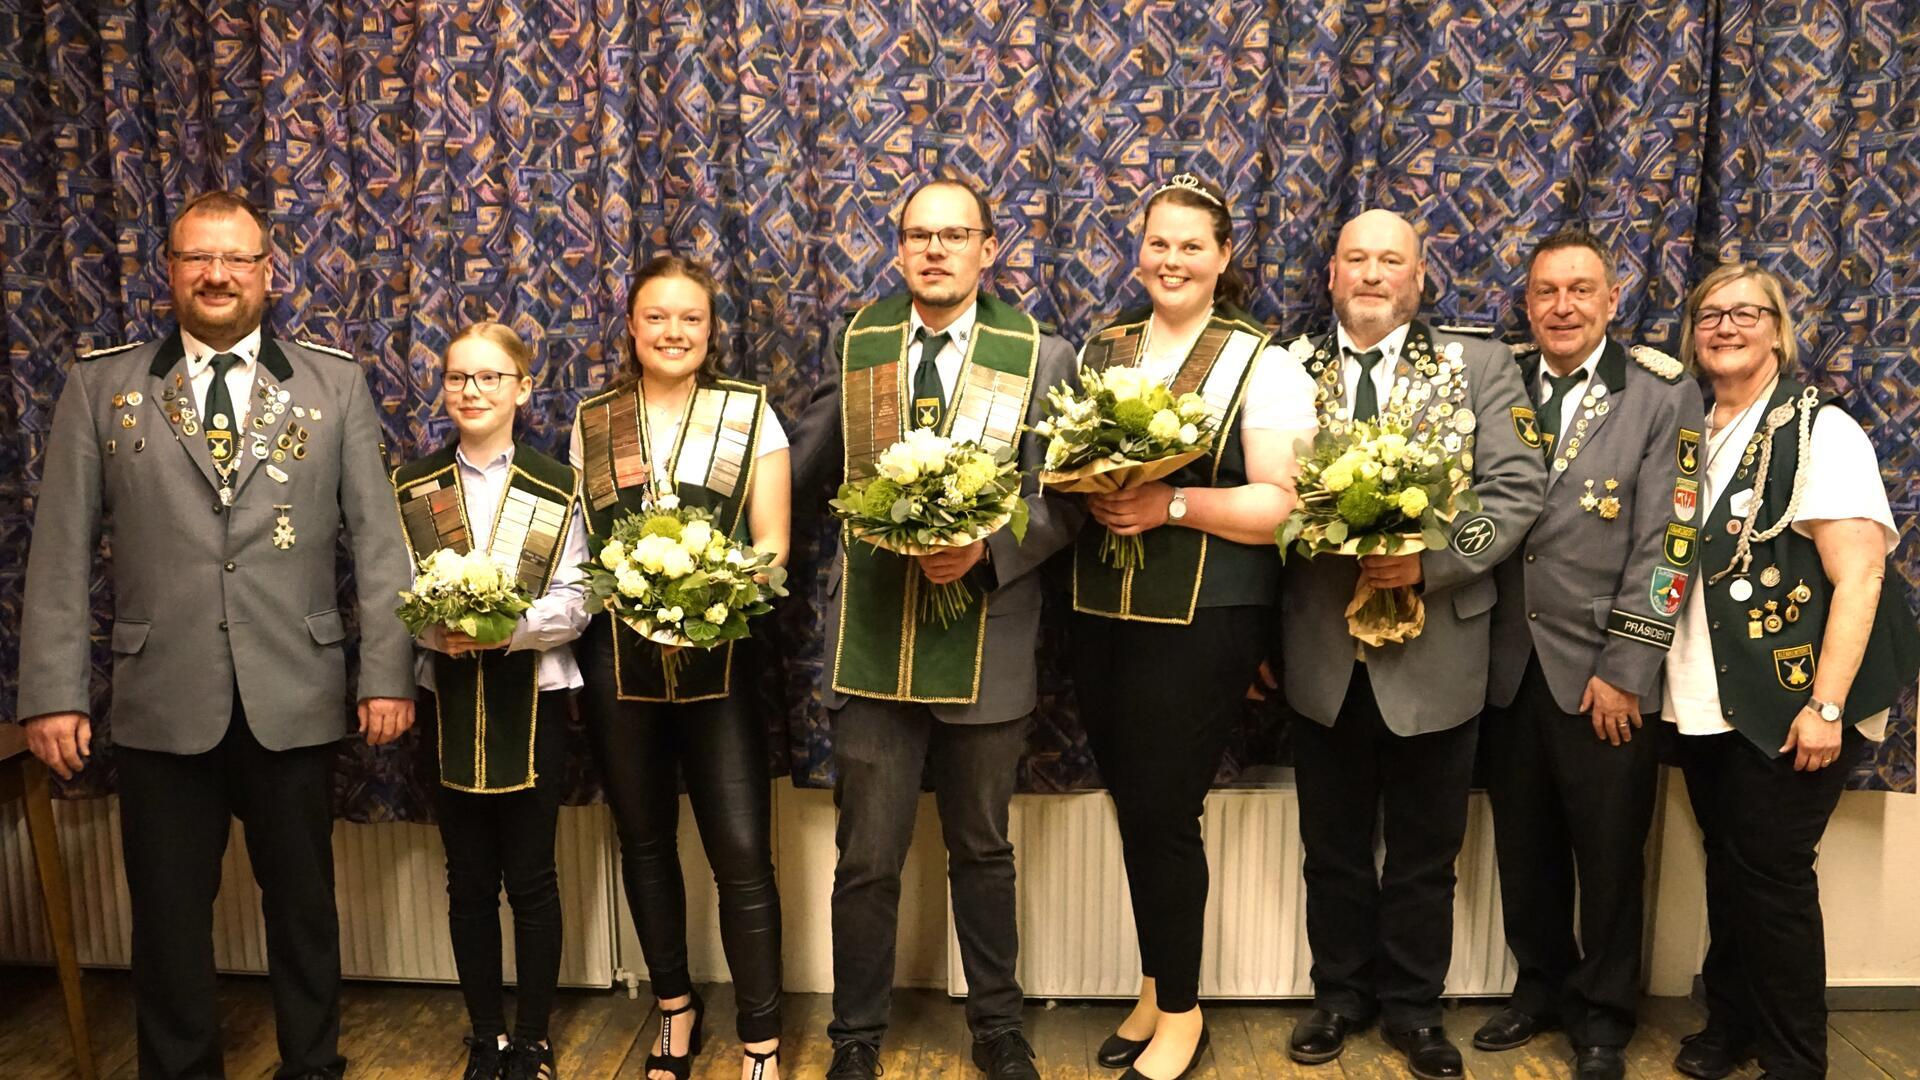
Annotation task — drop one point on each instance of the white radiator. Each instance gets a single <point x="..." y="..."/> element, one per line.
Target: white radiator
<point x="390" y="880"/>
<point x="1076" y="921"/>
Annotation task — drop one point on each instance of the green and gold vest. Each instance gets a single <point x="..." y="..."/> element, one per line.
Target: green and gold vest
<point x="884" y="649"/>
<point x="488" y="702"/>
<point x="1185" y="569"/>
<point x="711" y="467"/>
<point x="1766" y="648"/>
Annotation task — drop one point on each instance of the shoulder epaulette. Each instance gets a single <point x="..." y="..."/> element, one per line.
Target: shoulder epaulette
<point x="1469" y="331"/>
<point x="95" y="354"/>
<point x="1301" y="347"/>
<point x="1045" y="327"/>
<point x="328" y="349"/>
<point x="1666" y="367"/>
<point x="1522" y="348"/>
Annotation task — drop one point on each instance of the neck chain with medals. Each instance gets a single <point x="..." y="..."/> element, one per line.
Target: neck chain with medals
<point x="661" y="482"/>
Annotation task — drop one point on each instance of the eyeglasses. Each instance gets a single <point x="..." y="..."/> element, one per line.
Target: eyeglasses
<point x="1744" y="316"/>
<point x="236" y="262"/>
<point x="952" y="238"/>
<point x="488" y="381"/>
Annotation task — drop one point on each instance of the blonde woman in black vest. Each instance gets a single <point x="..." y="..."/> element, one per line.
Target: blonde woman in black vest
<point x="1786" y="657"/>
<point x="672" y="425"/>
<point x="497" y="714"/>
<point x="1163" y="654"/>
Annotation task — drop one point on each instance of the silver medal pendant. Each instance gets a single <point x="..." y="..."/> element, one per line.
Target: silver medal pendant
<point x="1741" y="590"/>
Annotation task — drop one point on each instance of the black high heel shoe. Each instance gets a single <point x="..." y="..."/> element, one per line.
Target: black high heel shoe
<point x="680" y="1065"/>
<point x="1199" y="1049"/>
<point x="760" y="1059"/>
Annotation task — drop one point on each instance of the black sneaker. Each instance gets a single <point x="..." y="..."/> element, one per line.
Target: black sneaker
<point x="1006" y="1056"/>
<point x="854" y="1061"/>
<point x="528" y="1060"/>
<point x="485" y="1058"/>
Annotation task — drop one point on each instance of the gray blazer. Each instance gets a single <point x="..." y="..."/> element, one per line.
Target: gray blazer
<point x="1580" y="590"/>
<point x="203" y="597"/>
<point x="1008" y="686"/>
<point x="1439" y="679"/>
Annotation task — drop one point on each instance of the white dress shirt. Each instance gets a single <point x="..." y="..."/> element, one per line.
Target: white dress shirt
<point x="556" y="617"/>
<point x="947" y="361"/>
<point x="239" y="377"/>
<point x="1389" y="346"/>
<point x="1571" y="401"/>
<point x="1843" y="481"/>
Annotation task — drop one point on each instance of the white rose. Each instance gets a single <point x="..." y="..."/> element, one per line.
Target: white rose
<point x="629" y="582"/>
<point x="613" y="555"/>
<point x="735" y="557"/>
<point x="896" y="463"/>
<point x="480" y="574"/>
<point x="1125" y="384"/>
<point x="696" y="535"/>
<point x="1164" y="425"/>
<point x="675" y="562"/>
<point x="717" y="614"/>
<point x="929" y="451"/>
<point x="1192" y="407"/>
<point x="648" y="551"/>
<point x="1189" y="434"/>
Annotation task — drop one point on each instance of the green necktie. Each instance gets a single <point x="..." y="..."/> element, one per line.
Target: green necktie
<point x="223" y="436"/>
<point x="929" y="400"/>
<point x="1558" y="387"/>
<point x="1366" y="399"/>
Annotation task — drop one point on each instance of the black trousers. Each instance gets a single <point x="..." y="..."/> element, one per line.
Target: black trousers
<point x="1381" y="940"/>
<point x="1567" y="808"/>
<point x="1766" y="965"/>
<point x="176" y="811"/>
<point x="506" y="839"/>
<point x="1158" y="702"/>
<point x="881" y="749"/>
<point x="719" y="748"/>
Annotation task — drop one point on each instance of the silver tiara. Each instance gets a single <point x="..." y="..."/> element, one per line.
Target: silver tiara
<point x="1189" y="183"/>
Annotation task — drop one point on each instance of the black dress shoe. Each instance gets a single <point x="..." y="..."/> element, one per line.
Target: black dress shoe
<point x="1321" y="1036"/>
<point x="1006" y="1056"/>
<point x="1711" y="1054"/>
<point x="485" y="1058"/>
<point x="1118" y="1051"/>
<point x="1429" y="1055"/>
<point x="1510" y="1028"/>
<point x="854" y="1061"/>
<point x="1199" y="1050"/>
<point x="1599" y="1063"/>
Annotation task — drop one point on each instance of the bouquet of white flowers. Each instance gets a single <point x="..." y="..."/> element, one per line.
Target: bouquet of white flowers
<point x="1121" y="430"/>
<point x="678" y="581"/>
<point x="930" y="493"/>
<point x="464" y="591"/>
<point x="1377" y="490"/>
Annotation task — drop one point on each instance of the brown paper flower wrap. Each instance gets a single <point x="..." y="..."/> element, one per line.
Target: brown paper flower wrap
<point x="1377" y="489"/>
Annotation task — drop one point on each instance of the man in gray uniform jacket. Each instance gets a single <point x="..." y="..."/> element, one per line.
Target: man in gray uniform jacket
<point x="911" y="697"/>
<point x="1586" y="614"/>
<point x="1397" y="723"/>
<point x="223" y="463"/>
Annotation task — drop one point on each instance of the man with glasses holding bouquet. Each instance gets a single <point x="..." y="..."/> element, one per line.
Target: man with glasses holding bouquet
<point x="225" y="463"/>
<point x="909" y="695"/>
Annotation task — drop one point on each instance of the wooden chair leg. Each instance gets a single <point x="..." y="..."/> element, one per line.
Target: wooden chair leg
<point x="53" y="890"/>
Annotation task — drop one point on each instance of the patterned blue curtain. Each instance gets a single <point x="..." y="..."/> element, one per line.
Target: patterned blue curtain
<point x="430" y="163"/>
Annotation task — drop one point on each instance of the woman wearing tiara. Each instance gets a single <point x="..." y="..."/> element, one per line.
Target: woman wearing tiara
<point x="1199" y="604"/>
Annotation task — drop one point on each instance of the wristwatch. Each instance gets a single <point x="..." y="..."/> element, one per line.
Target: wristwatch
<point x="1177" y="509"/>
<point x="1825" y="710"/>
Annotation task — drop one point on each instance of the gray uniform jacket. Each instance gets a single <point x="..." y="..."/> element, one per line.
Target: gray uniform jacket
<point x="1008" y="686"/>
<point x="1592" y="590"/>
<point x="1439" y="679"/>
<point x="204" y="599"/>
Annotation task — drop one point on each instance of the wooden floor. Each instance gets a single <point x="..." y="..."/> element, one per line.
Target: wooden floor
<point x="413" y="1032"/>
